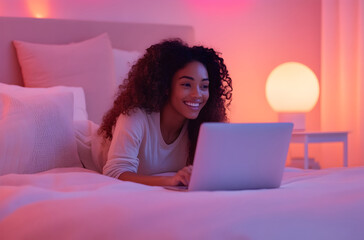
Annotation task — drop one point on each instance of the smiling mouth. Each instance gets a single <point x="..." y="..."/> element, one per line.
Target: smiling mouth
<point x="193" y="105"/>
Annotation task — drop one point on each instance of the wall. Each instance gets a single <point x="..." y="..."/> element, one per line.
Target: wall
<point x="254" y="36"/>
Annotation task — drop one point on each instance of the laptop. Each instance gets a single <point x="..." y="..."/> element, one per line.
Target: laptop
<point x="239" y="156"/>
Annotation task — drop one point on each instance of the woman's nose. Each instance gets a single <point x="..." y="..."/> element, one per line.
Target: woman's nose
<point x="196" y="92"/>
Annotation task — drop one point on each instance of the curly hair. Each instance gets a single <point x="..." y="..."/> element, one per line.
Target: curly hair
<point x="148" y="85"/>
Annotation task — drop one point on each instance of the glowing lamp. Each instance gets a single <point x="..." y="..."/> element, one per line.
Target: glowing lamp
<point x="292" y="89"/>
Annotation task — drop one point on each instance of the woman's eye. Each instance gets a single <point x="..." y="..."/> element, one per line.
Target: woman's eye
<point x="206" y="86"/>
<point x="186" y="85"/>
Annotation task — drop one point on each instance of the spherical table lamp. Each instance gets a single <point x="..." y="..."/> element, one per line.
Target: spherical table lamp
<point x="292" y="89"/>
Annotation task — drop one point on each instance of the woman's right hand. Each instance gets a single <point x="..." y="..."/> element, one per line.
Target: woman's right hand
<point x="182" y="176"/>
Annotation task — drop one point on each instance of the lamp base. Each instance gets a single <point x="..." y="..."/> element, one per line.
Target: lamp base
<point x="298" y="120"/>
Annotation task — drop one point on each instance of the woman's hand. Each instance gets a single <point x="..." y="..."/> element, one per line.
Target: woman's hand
<point x="182" y="176"/>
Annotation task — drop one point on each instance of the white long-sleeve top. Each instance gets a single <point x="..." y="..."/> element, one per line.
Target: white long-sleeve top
<point x="138" y="146"/>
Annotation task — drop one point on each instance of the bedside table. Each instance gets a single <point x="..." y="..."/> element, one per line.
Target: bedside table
<point x="321" y="137"/>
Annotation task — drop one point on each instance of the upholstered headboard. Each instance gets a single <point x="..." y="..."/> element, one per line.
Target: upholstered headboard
<point x="128" y="36"/>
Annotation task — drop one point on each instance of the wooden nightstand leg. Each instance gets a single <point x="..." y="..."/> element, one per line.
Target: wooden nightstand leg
<point x="305" y="163"/>
<point x="345" y="143"/>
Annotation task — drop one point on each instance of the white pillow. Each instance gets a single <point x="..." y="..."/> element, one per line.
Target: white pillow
<point x="36" y="133"/>
<point x="88" y="64"/>
<point x="79" y="108"/>
<point x="123" y="61"/>
<point x="92" y="148"/>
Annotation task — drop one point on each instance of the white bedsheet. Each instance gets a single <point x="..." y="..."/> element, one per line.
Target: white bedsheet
<point x="75" y="203"/>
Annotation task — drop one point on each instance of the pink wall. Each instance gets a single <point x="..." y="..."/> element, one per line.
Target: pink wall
<point x="254" y="36"/>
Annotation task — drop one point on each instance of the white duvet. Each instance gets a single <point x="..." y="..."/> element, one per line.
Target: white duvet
<point x="75" y="203"/>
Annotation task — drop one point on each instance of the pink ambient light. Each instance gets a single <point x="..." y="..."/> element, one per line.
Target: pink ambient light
<point x="38" y="8"/>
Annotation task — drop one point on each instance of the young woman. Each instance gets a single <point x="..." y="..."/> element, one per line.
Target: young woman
<point x="154" y="122"/>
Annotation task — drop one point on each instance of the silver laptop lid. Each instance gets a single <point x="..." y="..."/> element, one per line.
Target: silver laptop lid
<point x="236" y="156"/>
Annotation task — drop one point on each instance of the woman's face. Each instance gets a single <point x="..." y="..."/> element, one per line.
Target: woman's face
<point x="190" y="90"/>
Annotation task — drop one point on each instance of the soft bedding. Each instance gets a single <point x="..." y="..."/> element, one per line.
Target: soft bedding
<point x="75" y="203"/>
<point x="36" y="133"/>
<point x="88" y="64"/>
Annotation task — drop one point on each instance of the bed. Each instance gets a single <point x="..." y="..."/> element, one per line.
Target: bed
<point x="51" y="186"/>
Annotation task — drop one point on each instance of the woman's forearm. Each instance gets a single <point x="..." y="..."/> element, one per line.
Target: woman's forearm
<point x="145" y="179"/>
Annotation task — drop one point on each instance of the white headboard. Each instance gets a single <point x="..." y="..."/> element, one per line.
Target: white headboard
<point x="128" y="36"/>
